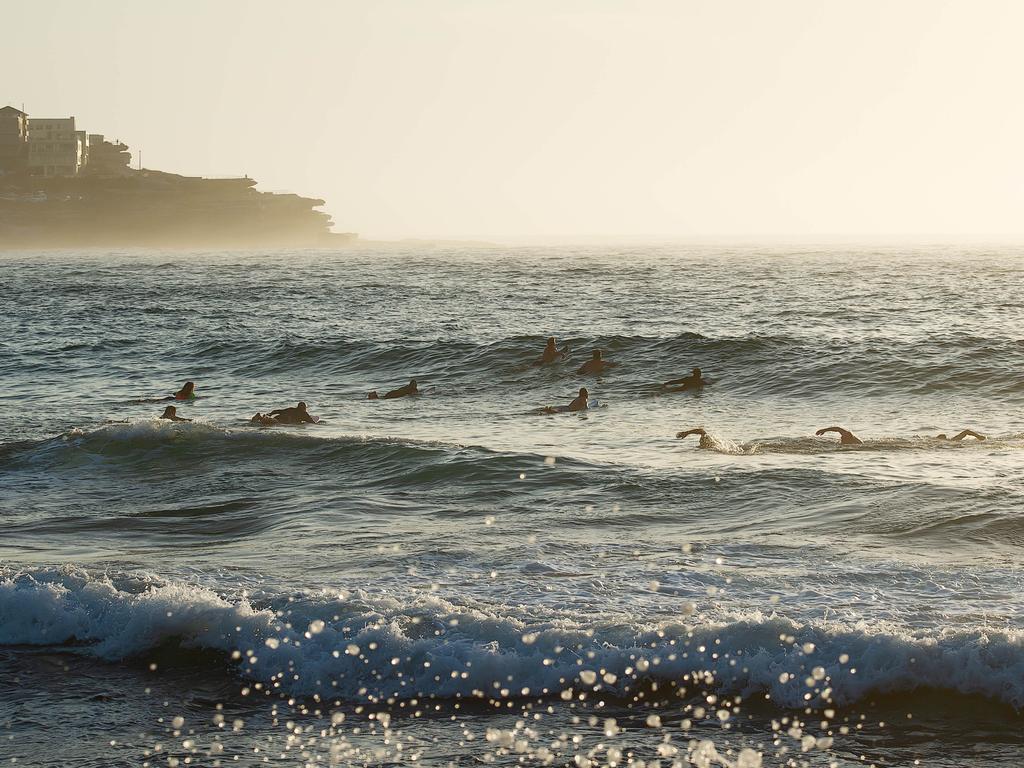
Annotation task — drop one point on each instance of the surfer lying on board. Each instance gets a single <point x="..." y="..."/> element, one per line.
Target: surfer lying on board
<point x="551" y="353"/>
<point x="846" y="437"/>
<point x="580" y="403"/>
<point x="705" y="439"/>
<point x="406" y="391"/>
<point x="171" y="414"/>
<point x="296" y="415"/>
<point x="596" y="364"/>
<point x="960" y="436"/>
<point x="187" y="392"/>
<point x="693" y="381"/>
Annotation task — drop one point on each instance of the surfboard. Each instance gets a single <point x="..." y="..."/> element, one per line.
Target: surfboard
<point x="591" y="404"/>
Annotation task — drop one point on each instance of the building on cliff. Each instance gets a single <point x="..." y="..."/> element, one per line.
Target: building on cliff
<point x="13" y="140"/>
<point x="61" y="187"/>
<point x="55" y="147"/>
<point x="107" y="158"/>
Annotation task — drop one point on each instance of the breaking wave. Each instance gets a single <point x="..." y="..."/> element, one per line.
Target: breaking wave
<point x="377" y="647"/>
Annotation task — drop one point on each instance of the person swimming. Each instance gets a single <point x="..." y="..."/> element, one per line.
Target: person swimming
<point x="171" y="414"/>
<point x="551" y="353"/>
<point x="705" y="438"/>
<point x="694" y="381"/>
<point x="187" y="392"/>
<point x="595" y="364"/>
<point x="295" y="415"/>
<point x="961" y="435"/>
<point x="408" y="390"/>
<point x="846" y="437"/>
<point x="580" y="403"/>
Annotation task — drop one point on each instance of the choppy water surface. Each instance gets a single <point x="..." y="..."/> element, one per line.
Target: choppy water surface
<point x="454" y="578"/>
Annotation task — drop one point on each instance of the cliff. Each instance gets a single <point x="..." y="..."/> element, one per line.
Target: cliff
<point x="152" y="208"/>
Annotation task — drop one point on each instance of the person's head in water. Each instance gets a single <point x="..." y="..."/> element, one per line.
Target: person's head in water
<point x="551" y="342"/>
<point x="301" y="406"/>
<point x="412" y="385"/>
<point x="170" y="412"/>
<point x="597" y="354"/>
<point x="583" y="393"/>
<point x="188" y="388"/>
<point x="696" y="373"/>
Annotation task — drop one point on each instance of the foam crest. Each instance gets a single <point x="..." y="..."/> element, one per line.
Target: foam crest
<point x="379" y="647"/>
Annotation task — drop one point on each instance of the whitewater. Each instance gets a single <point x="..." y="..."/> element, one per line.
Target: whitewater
<point x="455" y="578"/>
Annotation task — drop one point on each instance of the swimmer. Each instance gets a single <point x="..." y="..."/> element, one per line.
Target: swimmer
<point x="408" y="390"/>
<point x="846" y="437"/>
<point x="580" y="403"/>
<point x="595" y="365"/>
<point x="171" y="414"/>
<point x="960" y="436"/>
<point x="693" y="381"/>
<point x="705" y="439"/>
<point x="296" y="415"/>
<point x="187" y="392"/>
<point x="551" y="353"/>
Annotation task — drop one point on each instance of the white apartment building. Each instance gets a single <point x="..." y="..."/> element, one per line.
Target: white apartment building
<point x="55" y="148"/>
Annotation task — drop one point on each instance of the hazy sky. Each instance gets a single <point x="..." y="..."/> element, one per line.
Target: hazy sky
<point x="494" y="118"/>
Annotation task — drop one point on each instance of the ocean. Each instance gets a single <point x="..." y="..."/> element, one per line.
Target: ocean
<point x="457" y="579"/>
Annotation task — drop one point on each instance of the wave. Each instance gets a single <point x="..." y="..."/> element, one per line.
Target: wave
<point x="152" y="441"/>
<point x="260" y="473"/>
<point x="153" y="444"/>
<point x="378" y="647"/>
<point x="748" y="364"/>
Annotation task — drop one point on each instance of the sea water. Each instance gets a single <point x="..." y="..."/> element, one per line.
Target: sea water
<point x="456" y="578"/>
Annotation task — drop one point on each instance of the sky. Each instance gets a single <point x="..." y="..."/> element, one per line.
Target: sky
<point x="555" y="118"/>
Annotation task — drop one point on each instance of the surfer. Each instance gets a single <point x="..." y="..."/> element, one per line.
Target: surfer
<point x="693" y="381"/>
<point x="595" y="365"/>
<point x="187" y="392"/>
<point x="580" y="403"/>
<point x="171" y="414"/>
<point x="960" y="436"/>
<point x="406" y="391"/>
<point x="551" y="353"/>
<point x="846" y="437"/>
<point x="705" y="438"/>
<point x="296" y="415"/>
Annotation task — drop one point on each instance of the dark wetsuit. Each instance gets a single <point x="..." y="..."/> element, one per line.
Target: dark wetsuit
<point x="405" y="391"/>
<point x="684" y="384"/>
<point x="292" y="416"/>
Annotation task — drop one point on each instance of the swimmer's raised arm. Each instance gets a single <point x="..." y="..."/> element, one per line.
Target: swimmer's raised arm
<point x="846" y="437"/>
<point x="967" y="433"/>
<point x="698" y="431"/>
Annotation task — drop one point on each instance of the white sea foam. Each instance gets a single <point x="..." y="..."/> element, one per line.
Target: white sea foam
<point x="355" y="646"/>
